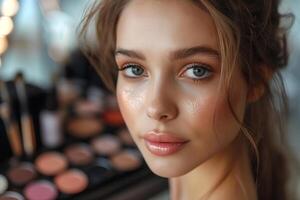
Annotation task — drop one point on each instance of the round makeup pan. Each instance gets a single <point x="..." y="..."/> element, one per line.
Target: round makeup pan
<point x="41" y="190"/>
<point x="51" y="163"/>
<point x="21" y="174"/>
<point x="106" y="145"/>
<point x="79" y="154"/>
<point x="84" y="127"/>
<point x="126" y="160"/>
<point x="113" y="118"/>
<point x="3" y="184"/>
<point x="71" y="182"/>
<point x="86" y="107"/>
<point x="10" y="195"/>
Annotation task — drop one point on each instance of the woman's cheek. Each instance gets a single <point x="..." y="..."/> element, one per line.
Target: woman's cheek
<point x="211" y="118"/>
<point x="129" y="99"/>
<point x="199" y="113"/>
<point x="229" y="114"/>
<point x="130" y="102"/>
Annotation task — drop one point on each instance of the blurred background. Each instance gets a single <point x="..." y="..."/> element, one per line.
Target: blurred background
<point x="38" y="41"/>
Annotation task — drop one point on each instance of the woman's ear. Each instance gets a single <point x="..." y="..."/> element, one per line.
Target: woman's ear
<point x="256" y="91"/>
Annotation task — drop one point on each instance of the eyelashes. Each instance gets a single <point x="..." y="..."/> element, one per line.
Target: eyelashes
<point x="193" y="71"/>
<point x="132" y="70"/>
<point x="197" y="72"/>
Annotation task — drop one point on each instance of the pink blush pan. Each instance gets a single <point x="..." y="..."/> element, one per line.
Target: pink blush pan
<point x="40" y="190"/>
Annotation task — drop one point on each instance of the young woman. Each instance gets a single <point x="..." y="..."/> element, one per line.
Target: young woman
<point x="198" y="85"/>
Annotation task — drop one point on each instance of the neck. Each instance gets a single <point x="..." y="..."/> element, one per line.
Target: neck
<point x="225" y="176"/>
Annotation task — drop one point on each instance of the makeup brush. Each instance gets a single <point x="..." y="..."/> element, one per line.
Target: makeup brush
<point x="11" y="127"/>
<point x="28" y="134"/>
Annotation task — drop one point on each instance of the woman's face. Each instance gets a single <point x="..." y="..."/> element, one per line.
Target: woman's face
<point x="169" y="61"/>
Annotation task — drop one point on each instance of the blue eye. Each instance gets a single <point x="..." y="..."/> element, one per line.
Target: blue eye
<point x="197" y="72"/>
<point x="132" y="70"/>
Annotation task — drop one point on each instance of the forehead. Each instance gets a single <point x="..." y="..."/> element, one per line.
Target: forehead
<point x="165" y="24"/>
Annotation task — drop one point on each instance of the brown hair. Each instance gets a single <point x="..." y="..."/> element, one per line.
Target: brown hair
<point x="250" y="37"/>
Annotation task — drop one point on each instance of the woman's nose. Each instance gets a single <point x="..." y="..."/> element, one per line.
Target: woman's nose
<point x="161" y="105"/>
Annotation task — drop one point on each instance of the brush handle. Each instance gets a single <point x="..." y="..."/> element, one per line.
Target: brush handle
<point x="29" y="141"/>
<point x="28" y="134"/>
<point x="12" y="130"/>
<point x="11" y="127"/>
<point x="14" y="138"/>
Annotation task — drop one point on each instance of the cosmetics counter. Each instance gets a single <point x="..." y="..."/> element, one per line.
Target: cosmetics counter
<point x="69" y="142"/>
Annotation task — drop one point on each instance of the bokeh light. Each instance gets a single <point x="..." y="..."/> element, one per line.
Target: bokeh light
<point x="6" y="25"/>
<point x="9" y="7"/>
<point x="3" y="44"/>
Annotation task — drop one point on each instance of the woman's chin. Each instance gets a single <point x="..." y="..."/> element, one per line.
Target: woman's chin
<point x="165" y="169"/>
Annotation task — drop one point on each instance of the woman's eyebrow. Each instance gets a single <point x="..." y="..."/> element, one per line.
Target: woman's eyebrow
<point x="129" y="53"/>
<point x="177" y="54"/>
<point x="187" y="52"/>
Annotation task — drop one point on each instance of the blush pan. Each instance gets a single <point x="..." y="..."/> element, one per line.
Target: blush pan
<point x="86" y="107"/>
<point x="72" y="181"/>
<point x="113" y="118"/>
<point x="21" y="174"/>
<point x="79" y="154"/>
<point x="126" y="160"/>
<point x="3" y="184"/>
<point x="10" y="195"/>
<point x="85" y="126"/>
<point x="51" y="163"/>
<point x="106" y="145"/>
<point x="41" y="190"/>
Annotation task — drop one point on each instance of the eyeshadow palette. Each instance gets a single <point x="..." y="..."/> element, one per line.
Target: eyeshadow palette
<point x="101" y="164"/>
<point x="75" y="169"/>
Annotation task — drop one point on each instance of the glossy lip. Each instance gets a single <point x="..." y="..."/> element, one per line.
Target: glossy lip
<point x="163" y="144"/>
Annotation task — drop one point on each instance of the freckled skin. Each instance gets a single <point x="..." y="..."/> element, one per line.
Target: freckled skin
<point x="155" y="29"/>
